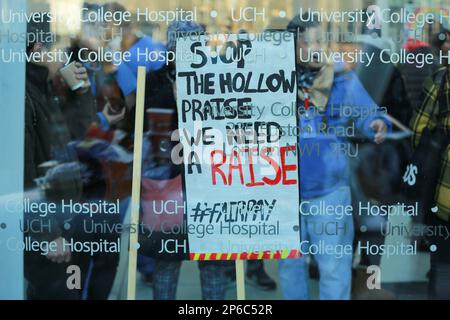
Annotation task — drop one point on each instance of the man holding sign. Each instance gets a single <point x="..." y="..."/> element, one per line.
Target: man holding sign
<point x="167" y="242"/>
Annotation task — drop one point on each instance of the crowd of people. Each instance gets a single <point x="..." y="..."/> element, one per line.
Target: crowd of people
<point x="85" y="137"/>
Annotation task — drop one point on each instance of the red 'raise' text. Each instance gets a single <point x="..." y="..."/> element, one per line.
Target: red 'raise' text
<point x="223" y="165"/>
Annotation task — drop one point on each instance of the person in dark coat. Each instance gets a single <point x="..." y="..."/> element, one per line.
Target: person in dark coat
<point x="46" y="136"/>
<point x="414" y="76"/>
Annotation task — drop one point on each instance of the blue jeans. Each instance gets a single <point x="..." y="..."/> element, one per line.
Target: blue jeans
<point x="212" y="279"/>
<point x="335" y="272"/>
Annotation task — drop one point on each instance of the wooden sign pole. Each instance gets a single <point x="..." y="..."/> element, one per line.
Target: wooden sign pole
<point x="136" y="186"/>
<point x="136" y="197"/>
<point x="240" y="280"/>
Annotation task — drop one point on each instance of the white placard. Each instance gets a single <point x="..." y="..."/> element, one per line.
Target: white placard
<point x="241" y="172"/>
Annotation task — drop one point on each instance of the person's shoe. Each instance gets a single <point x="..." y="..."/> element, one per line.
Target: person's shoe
<point x="261" y="279"/>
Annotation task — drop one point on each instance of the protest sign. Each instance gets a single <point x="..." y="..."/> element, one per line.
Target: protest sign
<point x="240" y="170"/>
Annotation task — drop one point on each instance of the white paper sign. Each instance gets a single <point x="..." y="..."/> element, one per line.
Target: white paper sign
<point x="241" y="171"/>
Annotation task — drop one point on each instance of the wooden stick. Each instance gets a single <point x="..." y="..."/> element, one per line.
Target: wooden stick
<point x="136" y="186"/>
<point x="240" y="280"/>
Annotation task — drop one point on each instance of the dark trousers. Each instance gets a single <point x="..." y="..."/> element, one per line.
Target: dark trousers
<point x="212" y="279"/>
<point x="439" y="285"/>
<point x="48" y="280"/>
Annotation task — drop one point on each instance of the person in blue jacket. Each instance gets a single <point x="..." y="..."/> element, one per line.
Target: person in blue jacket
<point x="137" y="48"/>
<point x="123" y="38"/>
<point x="333" y="105"/>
